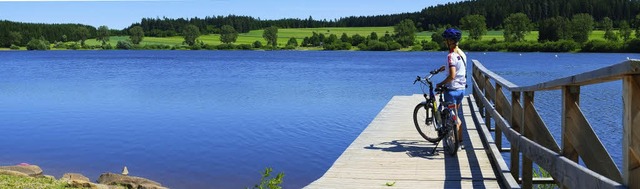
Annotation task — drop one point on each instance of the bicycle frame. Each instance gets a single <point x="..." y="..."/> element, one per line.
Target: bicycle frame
<point x="440" y="110"/>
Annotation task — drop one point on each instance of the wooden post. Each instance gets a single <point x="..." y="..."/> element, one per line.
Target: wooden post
<point x="570" y="95"/>
<point x="631" y="135"/>
<point x="527" y="164"/>
<point x="487" y="115"/>
<point x="515" y="121"/>
<point x="499" y="107"/>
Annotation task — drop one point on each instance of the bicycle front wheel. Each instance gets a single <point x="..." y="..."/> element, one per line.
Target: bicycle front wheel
<point x="427" y="129"/>
<point x="451" y="138"/>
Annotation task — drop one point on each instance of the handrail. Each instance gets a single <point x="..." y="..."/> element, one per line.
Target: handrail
<point x="527" y="133"/>
<point x="601" y="75"/>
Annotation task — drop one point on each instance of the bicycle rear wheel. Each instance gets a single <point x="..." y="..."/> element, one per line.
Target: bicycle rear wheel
<point x="451" y="138"/>
<point x="427" y="131"/>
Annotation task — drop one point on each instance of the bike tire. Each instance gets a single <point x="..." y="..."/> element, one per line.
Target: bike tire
<point x="427" y="132"/>
<point x="451" y="138"/>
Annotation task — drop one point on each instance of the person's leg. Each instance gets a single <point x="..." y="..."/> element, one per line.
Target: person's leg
<point x="459" y="97"/>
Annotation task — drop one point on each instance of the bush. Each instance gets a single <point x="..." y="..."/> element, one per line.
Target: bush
<point x="363" y="46"/>
<point x="107" y="46"/>
<point x="632" y="45"/>
<point x="126" y="45"/>
<point x="337" y="46"/>
<point x="14" y="47"/>
<point x="289" y="47"/>
<point x="560" y="46"/>
<point x="257" y="44"/>
<point x="196" y="47"/>
<point x="156" y="46"/>
<point x="59" y="45"/>
<point x="375" y="45"/>
<point x="393" y="45"/>
<point x="226" y="46"/>
<point x="524" y="46"/>
<point x="38" y="44"/>
<point x="601" y="46"/>
<point x="475" y="45"/>
<point x="292" y="42"/>
<point x="497" y="47"/>
<point x="244" y="47"/>
<point x="428" y="46"/>
<point x="416" y="48"/>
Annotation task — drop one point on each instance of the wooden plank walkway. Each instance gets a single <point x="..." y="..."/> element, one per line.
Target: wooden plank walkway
<point x="391" y="150"/>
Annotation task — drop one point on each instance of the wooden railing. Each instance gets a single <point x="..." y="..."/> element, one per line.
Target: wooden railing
<point x="518" y="120"/>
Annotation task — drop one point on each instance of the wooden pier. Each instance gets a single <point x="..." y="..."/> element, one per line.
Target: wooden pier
<point x="390" y="153"/>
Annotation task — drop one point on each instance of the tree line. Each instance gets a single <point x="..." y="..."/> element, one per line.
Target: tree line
<point x="554" y="19"/>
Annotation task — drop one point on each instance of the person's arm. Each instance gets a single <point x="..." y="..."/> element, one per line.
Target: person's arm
<point x="452" y="73"/>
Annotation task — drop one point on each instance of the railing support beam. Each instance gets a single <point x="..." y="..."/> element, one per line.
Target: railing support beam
<point x="516" y="122"/>
<point x="527" y="164"/>
<point x="570" y="95"/>
<point x="631" y="138"/>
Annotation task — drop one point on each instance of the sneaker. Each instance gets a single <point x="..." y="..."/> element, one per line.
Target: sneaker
<point x="460" y="146"/>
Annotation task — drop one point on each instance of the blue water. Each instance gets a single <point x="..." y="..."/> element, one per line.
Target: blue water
<point x="216" y="119"/>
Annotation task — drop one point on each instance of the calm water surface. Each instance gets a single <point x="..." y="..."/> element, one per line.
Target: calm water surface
<point x="216" y="119"/>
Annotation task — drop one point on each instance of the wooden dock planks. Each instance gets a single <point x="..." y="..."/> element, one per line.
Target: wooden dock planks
<point x="391" y="152"/>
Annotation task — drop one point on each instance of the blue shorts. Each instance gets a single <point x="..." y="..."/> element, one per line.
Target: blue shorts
<point x="454" y="96"/>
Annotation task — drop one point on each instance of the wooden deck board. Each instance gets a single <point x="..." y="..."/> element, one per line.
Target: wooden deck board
<point x="391" y="150"/>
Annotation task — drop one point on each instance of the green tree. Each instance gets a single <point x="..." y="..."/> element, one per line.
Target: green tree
<point x="554" y="29"/>
<point x="257" y="44"/>
<point x="38" y="44"/>
<point x="136" y="34"/>
<point x="476" y="24"/>
<point x="292" y="42"/>
<point x="15" y="38"/>
<point x="82" y="33"/>
<point x="625" y="30"/>
<point x="607" y="25"/>
<point x="637" y="26"/>
<point x="373" y="36"/>
<point x="356" y="39"/>
<point x="345" y="38"/>
<point x="102" y="34"/>
<point x="516" y="26"/>
<point x="271" y="35"/>
<point x="191" y="33"/>
<point x="405" y="32"/>
<point x="228" y="34"/>
<point x="582" y="26"/>
<point x="438" y="39"/>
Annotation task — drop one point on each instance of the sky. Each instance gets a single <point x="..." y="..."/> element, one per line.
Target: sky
<point x="118" y="14"/>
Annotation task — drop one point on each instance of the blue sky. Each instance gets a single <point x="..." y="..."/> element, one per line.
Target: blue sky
<point x="118" y="14"/>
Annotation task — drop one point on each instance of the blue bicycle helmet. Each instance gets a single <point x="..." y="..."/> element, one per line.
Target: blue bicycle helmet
<point x="452" y="34"/>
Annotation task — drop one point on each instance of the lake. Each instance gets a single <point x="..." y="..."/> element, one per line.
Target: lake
<point x="217" y="119"/>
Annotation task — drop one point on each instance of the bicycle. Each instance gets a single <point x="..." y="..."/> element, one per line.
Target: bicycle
<point x="444" y="125"/>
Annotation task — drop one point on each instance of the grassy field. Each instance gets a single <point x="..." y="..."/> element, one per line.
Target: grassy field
<point x="256" y="35"/>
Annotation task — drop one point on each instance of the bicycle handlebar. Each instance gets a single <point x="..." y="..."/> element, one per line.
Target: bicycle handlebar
<point x="432" y="73"/>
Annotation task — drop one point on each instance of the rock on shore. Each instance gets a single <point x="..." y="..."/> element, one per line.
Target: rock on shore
<point x="106" y="180"/>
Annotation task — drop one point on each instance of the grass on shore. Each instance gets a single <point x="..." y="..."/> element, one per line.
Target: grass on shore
<point x="7" y="181"/>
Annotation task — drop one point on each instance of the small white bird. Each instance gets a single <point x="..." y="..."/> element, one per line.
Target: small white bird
<point x="520" y="54"/>
<point x="556" y="56"/>
<point x="125" y="171"/>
